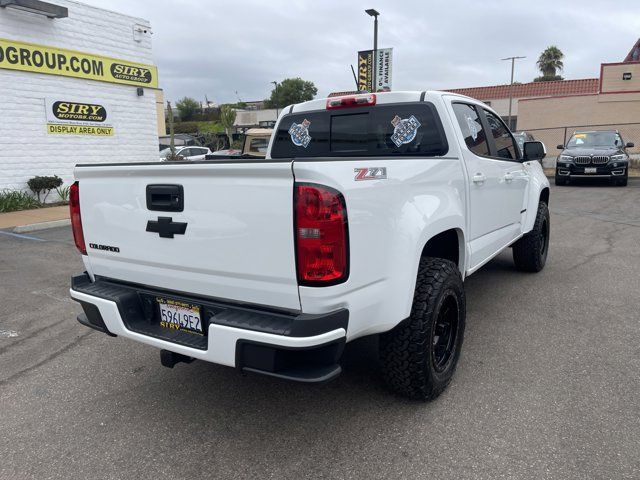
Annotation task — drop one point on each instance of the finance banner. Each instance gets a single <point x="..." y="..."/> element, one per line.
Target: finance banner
<point x="28" y="57"/>
<point x="383" y="69"/>
<point x="384" y="64"/>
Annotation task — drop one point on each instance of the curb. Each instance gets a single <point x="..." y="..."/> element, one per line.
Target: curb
<point x="34" y="227"/>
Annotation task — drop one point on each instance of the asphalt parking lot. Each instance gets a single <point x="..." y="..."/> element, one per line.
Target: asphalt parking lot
<point x="548" y="385"/>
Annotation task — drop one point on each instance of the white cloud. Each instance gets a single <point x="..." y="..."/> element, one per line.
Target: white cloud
<point x="218" y="48"/>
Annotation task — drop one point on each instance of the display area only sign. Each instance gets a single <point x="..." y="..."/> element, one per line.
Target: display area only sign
<point x="28" y="57"/>
<point x="65" y="117"/>
<point x="383" y="67"/>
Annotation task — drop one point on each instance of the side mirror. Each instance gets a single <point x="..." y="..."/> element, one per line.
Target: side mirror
<point x="630" y="145"/>
<point x="560" y="147"/>
<point x="533" y="151"/>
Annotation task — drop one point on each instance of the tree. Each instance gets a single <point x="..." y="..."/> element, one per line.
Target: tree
<point x="289" y="91"/>
<point x="187" y="108"/>
<point x="227" y="118"/>
<point x="549" y="62"/>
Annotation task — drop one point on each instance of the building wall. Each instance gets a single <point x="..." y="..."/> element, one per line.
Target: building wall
<point x="249" y="118"/>
<point x="612" y="77"/>
<point x="26" y="149"/>
<point x="501" y="106"/>
<point x="548" y="119"/>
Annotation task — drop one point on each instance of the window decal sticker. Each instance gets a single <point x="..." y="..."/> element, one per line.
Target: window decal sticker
<point x="473" y="127"/>
<point x="405" y="129"/>
<point x="300" y="133"/>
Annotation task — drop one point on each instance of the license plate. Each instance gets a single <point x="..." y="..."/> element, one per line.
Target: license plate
<point x="590" y="170"/>
<point x="176" y="315"/>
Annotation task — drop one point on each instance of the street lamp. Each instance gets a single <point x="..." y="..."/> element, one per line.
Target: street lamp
<point x="513" y="61"/>
<point x="276" y="97"/>
<point x="374" y="13"/>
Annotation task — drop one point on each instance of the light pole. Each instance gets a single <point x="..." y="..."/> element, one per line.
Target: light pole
<point x="374" y="13"/>
<point x="276" y="95"/>
<point x="513" y="61"/>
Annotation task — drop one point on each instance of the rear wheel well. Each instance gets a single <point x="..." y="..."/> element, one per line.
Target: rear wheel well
<point x="444" y="245"/>
<point x="544" y="196"/>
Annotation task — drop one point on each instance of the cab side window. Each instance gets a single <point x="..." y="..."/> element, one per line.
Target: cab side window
<point x="505" y="144"/>
<point x="471" y="126"/>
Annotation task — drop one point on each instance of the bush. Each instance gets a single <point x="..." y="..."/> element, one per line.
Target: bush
<point x="63" y="193"/>
<point x="44" y="185"/>
<point x="11" y="201"/>
<point x="185" y="127"/>
<point x="197" y="127"/>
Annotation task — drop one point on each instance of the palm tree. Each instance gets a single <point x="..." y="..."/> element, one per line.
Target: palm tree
<point x="549" y="62"/>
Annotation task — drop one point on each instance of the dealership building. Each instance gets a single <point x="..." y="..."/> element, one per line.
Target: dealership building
<point x="552" y="111"/>
<point x="77" y="85"/>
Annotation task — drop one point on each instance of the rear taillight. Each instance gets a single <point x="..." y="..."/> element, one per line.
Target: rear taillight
<point x="76" y="219"/>
<point x="321" y="235"/>
<point x="366" y="100"/>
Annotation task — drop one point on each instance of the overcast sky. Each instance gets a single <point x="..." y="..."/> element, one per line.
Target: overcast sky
<point x="216" y="48"/>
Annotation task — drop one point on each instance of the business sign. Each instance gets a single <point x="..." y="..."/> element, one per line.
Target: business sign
<point x="69" y="63"/>
<point x="383" y="70"/>
<point x="66" y="117"/>
<point x="365" y="70"/>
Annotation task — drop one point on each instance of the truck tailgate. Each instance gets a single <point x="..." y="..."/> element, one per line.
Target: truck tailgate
<point x="238" y="242"/>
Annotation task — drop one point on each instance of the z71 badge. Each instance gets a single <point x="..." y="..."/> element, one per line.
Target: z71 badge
<point x="371" y="173"/>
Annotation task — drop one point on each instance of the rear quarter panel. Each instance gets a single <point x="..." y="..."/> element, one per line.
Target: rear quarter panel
<point x="390" y="221"/>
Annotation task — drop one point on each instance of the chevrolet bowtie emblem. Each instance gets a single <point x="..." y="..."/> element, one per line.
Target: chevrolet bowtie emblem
<point x="166" y="227"/>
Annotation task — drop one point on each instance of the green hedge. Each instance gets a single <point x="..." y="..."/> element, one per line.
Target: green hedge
<point x="197" y="127"/>
<point x="12" y="201"/>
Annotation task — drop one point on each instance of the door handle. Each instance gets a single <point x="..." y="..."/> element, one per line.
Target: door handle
<point x="165" y="198"/>
<point x="479" y="178"/>
<point x="508" y="177"/>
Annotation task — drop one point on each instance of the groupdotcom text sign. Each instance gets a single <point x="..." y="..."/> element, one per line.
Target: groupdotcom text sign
<point x="383" y="66"/>
<point x="67" y="117"/>
<point x="58" y="61"/>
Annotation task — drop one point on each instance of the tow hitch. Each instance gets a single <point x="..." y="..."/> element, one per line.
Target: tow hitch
<point x="169" y="359"/>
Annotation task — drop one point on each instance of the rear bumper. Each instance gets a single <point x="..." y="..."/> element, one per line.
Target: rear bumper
<point x="285" y="344"/>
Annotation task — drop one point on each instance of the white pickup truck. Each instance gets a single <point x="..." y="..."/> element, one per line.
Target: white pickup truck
<point x="364" y="219"/>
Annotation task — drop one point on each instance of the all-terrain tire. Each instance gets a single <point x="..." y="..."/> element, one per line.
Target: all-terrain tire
<point x="420" y="355"/>
<point x="530" y="252"/>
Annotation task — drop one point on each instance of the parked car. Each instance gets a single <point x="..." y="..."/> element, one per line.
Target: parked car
<point x="179" y="140"/>
<point x="364" y="218"/>
<point x="187" y="153"/>
<point x="594" y="154"/>
<point x="256" y="141"/>
<point x="522" y="137"/>
<point x="228" y="152"/>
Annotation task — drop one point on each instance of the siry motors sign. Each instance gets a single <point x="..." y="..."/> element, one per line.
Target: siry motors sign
<point x="77" y="118"/>
<point x="28" y="57"/>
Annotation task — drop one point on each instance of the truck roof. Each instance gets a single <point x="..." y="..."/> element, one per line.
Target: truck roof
<point x="381" y="98"/>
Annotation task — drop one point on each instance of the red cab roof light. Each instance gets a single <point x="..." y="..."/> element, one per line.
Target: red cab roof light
<point x="365" y="100"/>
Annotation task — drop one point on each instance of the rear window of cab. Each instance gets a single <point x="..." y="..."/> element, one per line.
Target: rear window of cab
<point x="383" y="130"/>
